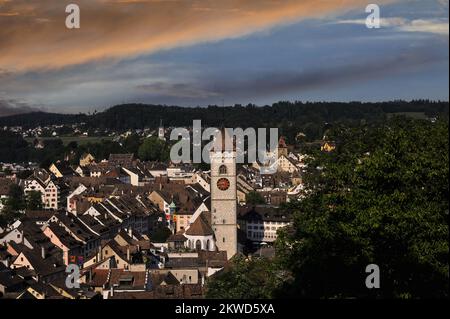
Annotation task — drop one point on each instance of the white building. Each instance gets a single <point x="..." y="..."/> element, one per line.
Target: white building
<point x="50" y="192"/>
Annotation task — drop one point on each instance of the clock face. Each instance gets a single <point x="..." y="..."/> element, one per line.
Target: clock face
<point x="223" y="184"/>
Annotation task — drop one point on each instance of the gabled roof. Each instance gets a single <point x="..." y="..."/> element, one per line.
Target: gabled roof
<point x="39" y="215"/>
<point x="263" y="213"/>
<point x="177" y="237"/>
<point x="76" y="227"/>
<point x="99" y="278"/>
<point x="64" y="236"/>
<point x="64" y="168"/>
<point x="122" y="233"/>
<point x="119" y="252"/>
<point x="127" y="279"/>
<point x="200" y="227"/>
<point x="42" y="266"/>
<point x="159" y="278"/>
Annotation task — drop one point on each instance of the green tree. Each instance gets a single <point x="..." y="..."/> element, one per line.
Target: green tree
<point x="382" y="198"/>
<point x="153" y="149"/>
<point x="254" y="198"/>
<point x="245" y="279"/>
<point x="132" y="143"/>
<point x="34" y="200"/>
<point x="14" y="205"/>
<point x="16" y="200"/>
<point x="160" y="234"/>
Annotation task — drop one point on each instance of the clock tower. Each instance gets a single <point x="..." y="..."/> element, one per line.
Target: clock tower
<point x="223" y="193"/>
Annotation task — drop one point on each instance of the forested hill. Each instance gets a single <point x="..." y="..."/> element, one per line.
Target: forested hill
<point x="281" y="114"/>
<point x="34" y="119"/>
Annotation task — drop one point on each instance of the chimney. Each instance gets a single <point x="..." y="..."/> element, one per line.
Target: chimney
<point x="42" y="252"/>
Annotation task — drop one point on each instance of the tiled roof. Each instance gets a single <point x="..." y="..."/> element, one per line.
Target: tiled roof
<point x="128" y="279"/>
<point x="200" y="227"/>
<point x="177" y="237"/>
<point x="99" y="277"/>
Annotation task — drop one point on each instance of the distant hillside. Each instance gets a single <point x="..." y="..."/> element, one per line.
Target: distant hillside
<point x="140" y="115"/>
<point x="34" y="119"/>
<point x="7" y="110"/>
<point x="289" y="116"/>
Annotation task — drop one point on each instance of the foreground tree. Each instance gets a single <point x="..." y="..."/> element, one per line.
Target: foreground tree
<point x="153" y="149"/>
<point x="380" y="198"/>
<point x="245" y="279"/>
<point x="34" y="200"/>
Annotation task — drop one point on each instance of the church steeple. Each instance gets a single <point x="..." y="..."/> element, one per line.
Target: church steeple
<point x="224" y="193"/>
<point x="161" y="131"/>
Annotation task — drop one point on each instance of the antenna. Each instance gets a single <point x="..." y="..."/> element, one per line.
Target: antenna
<point x="223" y="113"/>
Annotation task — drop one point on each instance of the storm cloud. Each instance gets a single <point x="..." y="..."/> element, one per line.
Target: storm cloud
<point x="33" y="34"/>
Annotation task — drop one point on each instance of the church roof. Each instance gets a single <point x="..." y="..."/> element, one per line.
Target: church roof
<point x="200" y="227"/>
<point x="223" y="141"/>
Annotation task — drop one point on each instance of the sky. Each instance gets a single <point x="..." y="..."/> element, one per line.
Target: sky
<point x="202" y="52"/>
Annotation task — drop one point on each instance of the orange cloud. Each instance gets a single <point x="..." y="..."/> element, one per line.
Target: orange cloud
<point x="36" y="37"/>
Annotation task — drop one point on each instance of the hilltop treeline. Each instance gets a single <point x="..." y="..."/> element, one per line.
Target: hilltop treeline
<point x="290" y="117"/>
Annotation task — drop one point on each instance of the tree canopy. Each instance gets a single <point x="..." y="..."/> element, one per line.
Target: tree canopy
<point x="381" y="197"/>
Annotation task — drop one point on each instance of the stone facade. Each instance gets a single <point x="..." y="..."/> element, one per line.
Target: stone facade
<point x="224" y="199"/>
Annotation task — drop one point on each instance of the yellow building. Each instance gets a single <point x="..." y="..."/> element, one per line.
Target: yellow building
<point x="327" y="147"/>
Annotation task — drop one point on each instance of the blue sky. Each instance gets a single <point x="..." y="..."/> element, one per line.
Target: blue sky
<point x="333" y="57"/>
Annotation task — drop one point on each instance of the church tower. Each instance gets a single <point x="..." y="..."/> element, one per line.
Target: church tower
<point x="161" y="131"/>
<point x="224" y="194"/>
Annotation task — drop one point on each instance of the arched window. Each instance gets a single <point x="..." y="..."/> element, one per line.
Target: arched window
<point x="222" y="169"/>
<point x="207" y="245"/>
<point x="198" y="245"/>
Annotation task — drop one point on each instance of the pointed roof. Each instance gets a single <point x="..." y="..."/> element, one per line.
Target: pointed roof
<point x="200" y="227"/>
<point x="223" y="141"/>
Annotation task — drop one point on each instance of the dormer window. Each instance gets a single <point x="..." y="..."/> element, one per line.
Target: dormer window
<point x="222" y="170"/>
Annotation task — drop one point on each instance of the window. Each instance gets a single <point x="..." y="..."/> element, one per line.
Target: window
<point x="222" y="169"/>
